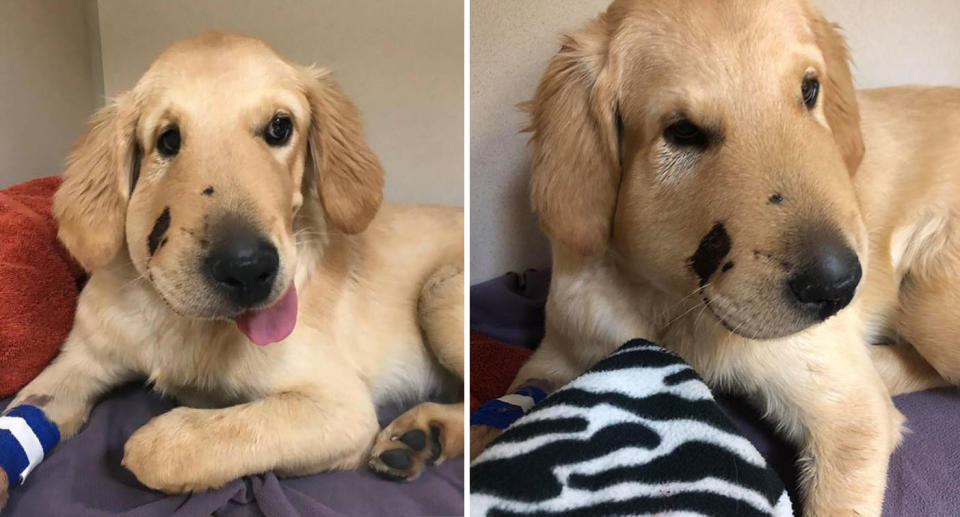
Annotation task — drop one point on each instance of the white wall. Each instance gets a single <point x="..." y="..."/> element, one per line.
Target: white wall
<point x="892" y="41"/>
<point x="47" y="84"/>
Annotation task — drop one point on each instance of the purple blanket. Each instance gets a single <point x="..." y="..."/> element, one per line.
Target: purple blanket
<point x="83" y="477"/>
<point x="924" y="474"/>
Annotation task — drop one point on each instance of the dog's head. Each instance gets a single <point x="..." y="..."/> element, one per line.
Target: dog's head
<point x="200" y="172"/>
<point x="708" y="147"/>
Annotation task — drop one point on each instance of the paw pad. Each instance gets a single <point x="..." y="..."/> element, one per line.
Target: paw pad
<point x="402" y="455"/>
<point x="416" y="439"/>
<point x="435" y="449"/>
<point x="398" y="459"/>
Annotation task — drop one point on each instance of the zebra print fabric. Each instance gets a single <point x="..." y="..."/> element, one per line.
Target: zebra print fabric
<point x="638" y="434"/>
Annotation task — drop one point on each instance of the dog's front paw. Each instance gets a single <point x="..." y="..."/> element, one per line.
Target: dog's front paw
<point x="169" y="454"/>
<point x="425" y="435"/>
<point x="402" y="457"/>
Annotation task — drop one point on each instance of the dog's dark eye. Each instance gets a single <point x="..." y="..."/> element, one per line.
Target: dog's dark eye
<point x="684" y="133"/>
<point x="810" y="89"/>
<point x="278" y="130"/>
<point x="168" y="143"/>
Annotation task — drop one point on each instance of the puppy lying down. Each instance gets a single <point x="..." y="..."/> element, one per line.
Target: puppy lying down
<point x="229" y="211"/>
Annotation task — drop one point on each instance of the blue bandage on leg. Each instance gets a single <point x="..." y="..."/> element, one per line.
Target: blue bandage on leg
<point x="26" y="437"/>
<point x="502" y="412"/>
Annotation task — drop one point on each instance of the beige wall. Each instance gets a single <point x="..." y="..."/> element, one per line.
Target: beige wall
<point x="47" y="85"/>
<point x="893" y="41"/>
<point x="898" y="41"/>
<point x="510" y="43"/>
<point x="400" y="62"/>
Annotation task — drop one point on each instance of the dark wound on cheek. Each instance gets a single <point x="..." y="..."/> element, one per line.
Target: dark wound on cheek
<point x="160" y="227"/>
<point x="713" y="248"/>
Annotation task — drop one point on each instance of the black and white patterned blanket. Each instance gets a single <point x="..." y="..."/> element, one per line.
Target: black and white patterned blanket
<point x="638" y="434"/>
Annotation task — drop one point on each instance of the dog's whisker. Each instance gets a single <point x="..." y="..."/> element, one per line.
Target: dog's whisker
<point x="684" y="313"/>
<point x="691" y="293"/>
<point x="735" y="329"/>
<point x="700" y="315"/>
<point x="130" y="283"/>
<point x="691" y="309"/>
<point x="308" y="231"/>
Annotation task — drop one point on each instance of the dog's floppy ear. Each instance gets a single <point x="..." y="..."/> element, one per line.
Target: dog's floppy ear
<point x="90" y="205"/>
<point x="840" y="100"/>
<point x="575" y="165"/>
<point x="349" y="174"/>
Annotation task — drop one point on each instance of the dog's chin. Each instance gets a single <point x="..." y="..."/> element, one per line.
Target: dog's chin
<point x="267" y="322"/>
<point x="755" y="327"/>
<point x="213" y="309"/>
<point x="198" y="308"/>
<point x="200" y="304"/>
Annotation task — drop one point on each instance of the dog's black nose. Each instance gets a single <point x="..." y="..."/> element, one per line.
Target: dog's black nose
<point x="827" y="278"/>
<point x="243" y="268"/>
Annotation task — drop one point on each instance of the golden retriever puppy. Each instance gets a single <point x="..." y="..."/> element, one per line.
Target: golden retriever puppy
<point x="710" y="179"/>
<point x="228" y="209"/>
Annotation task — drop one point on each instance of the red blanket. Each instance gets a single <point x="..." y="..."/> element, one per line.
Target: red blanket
<point x="493" y="365"/>
<point x="38" y="283"/>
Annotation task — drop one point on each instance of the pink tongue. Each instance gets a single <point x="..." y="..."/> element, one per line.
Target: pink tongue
<point x="272" y="324"/>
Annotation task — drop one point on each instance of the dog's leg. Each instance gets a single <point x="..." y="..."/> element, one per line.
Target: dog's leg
<point x="66" y="390"/>
<point x="903" y="369"/>
<point x="292" y="432"/>
<point x="425" y="435"/>
<point x="440" y="313"/>
<point x="548" y="368"/>
<point x="429" y="433"/>
<point x="929" y="319"/>
<point x="831" y="401"/>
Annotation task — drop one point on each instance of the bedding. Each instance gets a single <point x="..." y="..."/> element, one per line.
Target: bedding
<point x="83" y="478"/>
<point x="923" y="472"/>
<point x="493" y="365"/>
<point x="638" y="433"/>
